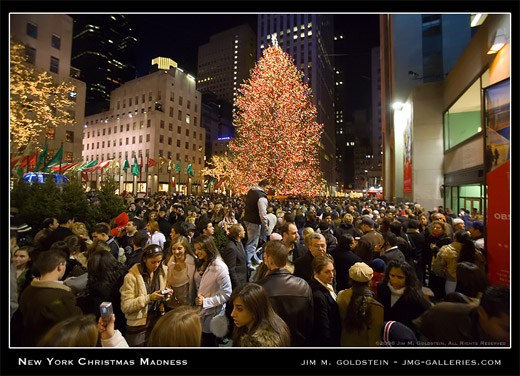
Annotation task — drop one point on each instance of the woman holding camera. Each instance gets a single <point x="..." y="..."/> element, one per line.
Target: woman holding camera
<point x="143" y="294"/>
<point x="213" y="287"/>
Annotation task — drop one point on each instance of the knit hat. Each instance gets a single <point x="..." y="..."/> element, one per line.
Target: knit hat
<point x="361" y="272"/>
<point x="395" y="334"/>
<point x="378" y="265"/>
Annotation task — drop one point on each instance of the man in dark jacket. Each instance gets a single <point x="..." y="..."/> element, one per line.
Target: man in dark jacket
<point x="133" y="255"/>
<point x="344" y="258"/>
<point x="290" y="296"/>
<point x="255" y="215"/>
<point x="46" y="301"/>
<point x="368" y="242"/>
<point x="417" y="243"/>
<point x="290" y="238"/>
<point x="64" y="229"/>
<point x="389" y="249"/>
<point x="303" y="265"/>
<point x="458" y="324"/>
<point x="234" y="256"/>
<point x="101" y="231"/>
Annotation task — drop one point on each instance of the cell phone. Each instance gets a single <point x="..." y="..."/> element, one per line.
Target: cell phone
<point x="166" y="291"/>
<point x="106" y="311"/>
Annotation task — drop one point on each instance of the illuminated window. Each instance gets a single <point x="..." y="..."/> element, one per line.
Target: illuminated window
<point x="69" y="136"/>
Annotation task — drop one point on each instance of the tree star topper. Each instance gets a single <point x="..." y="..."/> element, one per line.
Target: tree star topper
<point x="275" y="41"/>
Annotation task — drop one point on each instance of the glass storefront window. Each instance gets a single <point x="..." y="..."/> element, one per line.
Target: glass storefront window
<point x="463" y="119"/>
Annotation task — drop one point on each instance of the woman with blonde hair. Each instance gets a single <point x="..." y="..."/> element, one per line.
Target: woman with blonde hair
<point x="181" y="271"/>
<point x="305" y="233"/>
<point x="75" y="331"/>
<point x="80" y="229"/>
<point x="180" y="327"/>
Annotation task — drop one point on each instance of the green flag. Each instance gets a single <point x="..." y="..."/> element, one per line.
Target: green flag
<point x="189" y="170"/>
<point x="126" y="165"/>
<point x="135" y="169"/>
<point x="41" y="158"/>
<point x="178" y="166"/>
<point x="56" y="159"/>
<point x="88" y="165"/>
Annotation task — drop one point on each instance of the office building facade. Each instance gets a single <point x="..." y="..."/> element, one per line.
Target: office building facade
<point x="103" y="48"/>
<point x="156" y="116"/>
<point x="48" y="41"/>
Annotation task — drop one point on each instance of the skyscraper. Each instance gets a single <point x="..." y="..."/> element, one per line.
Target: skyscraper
<point x="103" y="49"/>
<point x="308" y="39"/>
<point x="225" y="61"/>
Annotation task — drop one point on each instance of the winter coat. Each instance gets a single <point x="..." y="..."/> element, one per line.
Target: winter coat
<point x="343" y="261"/>
<point x="366" y="246"/>
<point x="262" y="337"/>
<point x="234" y="256"/>
<point x="327" y="324"/>
<point x="135" y="297"/>
<point x="215" y="286"/>
<point x="445" y="264"/>
<point x="44" y="304"/>
<point x="291" y="298"/>
<point x="347" y="228"/>
<point x="369" y="336"/>
<point x="404" y="310"/>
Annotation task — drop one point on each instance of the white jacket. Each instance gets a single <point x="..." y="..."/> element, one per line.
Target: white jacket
<point x="157" y="238"/>
<point x="215" y="286"/>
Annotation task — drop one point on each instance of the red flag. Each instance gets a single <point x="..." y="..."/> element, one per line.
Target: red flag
<point x="173" y="181"/>
<point x="151" y="162"/>
<point x="219" y="184"/>
<point x="24" y="162"/>
<point x="32" y="160"/>
<point x="84" y="175"/>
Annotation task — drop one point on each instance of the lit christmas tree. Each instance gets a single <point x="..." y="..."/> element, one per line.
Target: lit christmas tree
<point x="277" y="136"/>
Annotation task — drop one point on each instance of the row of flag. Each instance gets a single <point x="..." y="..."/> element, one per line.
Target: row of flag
<point x="55" y="164"/>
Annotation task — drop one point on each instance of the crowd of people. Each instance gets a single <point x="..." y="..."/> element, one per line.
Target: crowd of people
<point x="293" y="272"/>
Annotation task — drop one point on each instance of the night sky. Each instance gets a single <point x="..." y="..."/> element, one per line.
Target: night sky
<point x="178" y="37"/>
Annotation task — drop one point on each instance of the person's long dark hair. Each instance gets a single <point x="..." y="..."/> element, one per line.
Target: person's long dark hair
<point x="468" y="250"/>
<point x="103" y="269"/>
<point x="413" y="289"/>
<point x="150" y="251"/>
<point x="257" y="302"/>
<point x="207" y="244"/>
<point x="358" y="311"/>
